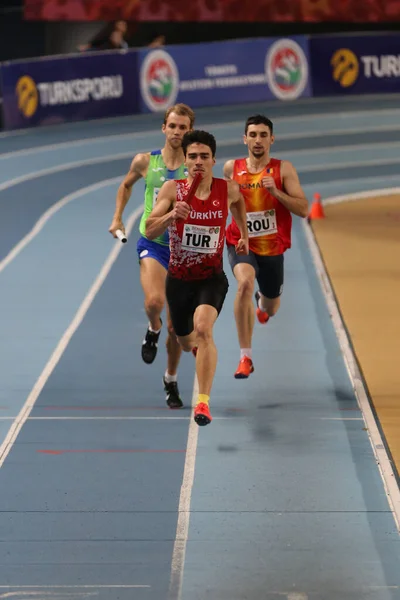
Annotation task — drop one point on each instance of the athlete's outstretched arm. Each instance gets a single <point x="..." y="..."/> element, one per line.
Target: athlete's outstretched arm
<point x="293" y="196"/>
<point x="238" y="210"/>
<point x="165" y="211"/>
<point x="137" y="170"/>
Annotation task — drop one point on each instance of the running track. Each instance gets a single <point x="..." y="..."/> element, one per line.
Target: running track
<point x="105" y="493"/>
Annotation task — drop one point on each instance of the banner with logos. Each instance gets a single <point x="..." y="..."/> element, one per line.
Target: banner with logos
<point x="363" y="64"/>
<point x="224" y="73"/>
<point x="49" y="91"/>
<point x="214" y="10"/>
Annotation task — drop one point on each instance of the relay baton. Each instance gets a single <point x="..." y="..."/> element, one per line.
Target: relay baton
<point x="193" y="188"/>
<point x="121" y="236"/>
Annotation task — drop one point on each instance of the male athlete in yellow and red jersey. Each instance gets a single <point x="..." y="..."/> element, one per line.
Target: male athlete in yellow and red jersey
<point x="272" y="192"/>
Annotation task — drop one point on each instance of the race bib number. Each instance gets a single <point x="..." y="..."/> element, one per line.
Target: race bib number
<point x="199" y="238"/>
<point x="155" y="194"/>
<point x="262" y="222"/>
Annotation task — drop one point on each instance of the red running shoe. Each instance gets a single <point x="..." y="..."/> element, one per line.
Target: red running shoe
<point x="202" y="414"/>
<point x="245" y="368"/>
<point x="262" y="316"/>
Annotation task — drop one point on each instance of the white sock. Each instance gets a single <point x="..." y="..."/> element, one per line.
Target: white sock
<point x="169" y="378"/>
<point x="260" y="306"/>
<point x="154" y="330"/>
<point x="245" y="352"/>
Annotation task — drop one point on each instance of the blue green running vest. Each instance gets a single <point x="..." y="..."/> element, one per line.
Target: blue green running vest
<point x="157" y="173"/>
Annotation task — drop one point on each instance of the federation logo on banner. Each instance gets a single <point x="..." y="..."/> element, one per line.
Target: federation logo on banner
<point x="28" y="97"/>
<point x="159" y="80"/>
<point x="286" y="68"/>
<point x="345" y="67"/>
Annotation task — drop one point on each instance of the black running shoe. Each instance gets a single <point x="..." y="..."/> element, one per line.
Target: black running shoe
<point x="173" y="398"/>
<point x="150" y="346"/>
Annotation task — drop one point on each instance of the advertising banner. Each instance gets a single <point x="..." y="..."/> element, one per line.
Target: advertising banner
<point x="365" y="64"/>
<point x="267" y="11"/>
<point x="49" y="91"/>
<point x="224" y="73"/>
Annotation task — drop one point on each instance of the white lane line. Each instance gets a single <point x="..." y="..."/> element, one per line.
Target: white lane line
<point x="50" y="213"/>
<point x="64" y="167"/>
<point x="63" y="343"/>
<point x="362" y="195"/>
<point x="343" y="148"/>
<point x="297" y="596"/>
<point x="83" y="142"/>
<point x="208" y="126"/>
<point x="227" y="142"/>
<point x="182" y="528"/>
<point x="382" y="459"/>
<point x="338" y="418"/>
<point x="128" y="155"/>
<point x="345" y="165"/>
<point x="121" y="418"/>
<point x="70" y="587"/>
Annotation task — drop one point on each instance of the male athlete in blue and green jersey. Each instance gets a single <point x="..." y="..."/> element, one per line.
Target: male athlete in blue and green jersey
<point x="157" y="167"/>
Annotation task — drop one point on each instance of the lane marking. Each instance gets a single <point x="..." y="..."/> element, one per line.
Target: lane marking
<point x="25" y="411"/>
<point x="182" y="528"/>
<point x="382" y="459"/>
<point x="46" y="216"/>
<point x="110" y="451"/>
<point x="211" y="126"/>
<point x="361" y="195"/>
<point x="64" y="167"/>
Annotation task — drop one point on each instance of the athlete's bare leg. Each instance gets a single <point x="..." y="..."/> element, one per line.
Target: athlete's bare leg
<point x="244" y="304"/>
<point x="174" y="349"/>
<point x="152" y="279"/>
<point x="206" y="358"/>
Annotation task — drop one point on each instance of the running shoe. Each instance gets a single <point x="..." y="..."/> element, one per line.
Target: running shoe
<point x="150" y="346"/>
<point x="173" y="398"/>
<point x="262" y="316"/>
<point x="245" y="368"/>
<point x="202" y="414"/>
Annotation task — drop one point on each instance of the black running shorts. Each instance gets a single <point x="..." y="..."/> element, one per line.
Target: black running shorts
<point x="269" y="270"/>
<point x="184" y="297"/>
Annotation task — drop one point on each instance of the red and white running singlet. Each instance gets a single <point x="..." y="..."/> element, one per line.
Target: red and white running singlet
<point x="197" y="244"/>
<point x="269" y="222"/>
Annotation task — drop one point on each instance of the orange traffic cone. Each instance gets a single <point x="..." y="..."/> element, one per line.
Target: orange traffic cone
<point x="317" y="211"/>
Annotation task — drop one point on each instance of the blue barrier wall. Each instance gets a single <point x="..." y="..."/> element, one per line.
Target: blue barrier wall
<point x="109" y="84"/>
<point x="57" y="90"/>
<point x="365" y="64"/>
<point x="224" y="73"/>
<point x="95" y="85"/>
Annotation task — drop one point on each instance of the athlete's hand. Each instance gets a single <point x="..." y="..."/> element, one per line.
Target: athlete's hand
<point x="269" y="183"/>
<point x="116" y="224"/>
<point x="242" y="247"/>
<point x="181" y="211"/>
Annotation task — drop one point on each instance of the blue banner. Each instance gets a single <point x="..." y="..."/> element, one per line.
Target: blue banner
<point x="355" y="64"/>
<point x="49" y="91"/>
<point x="221" y="73"/>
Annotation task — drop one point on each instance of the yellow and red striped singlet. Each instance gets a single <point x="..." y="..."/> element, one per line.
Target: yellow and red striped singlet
<point x="268" y="221"/>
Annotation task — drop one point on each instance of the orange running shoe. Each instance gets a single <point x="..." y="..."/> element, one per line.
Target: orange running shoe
<point x="245" y="368"/>
<point x="262" y="316"/>
<point x="202" y="414"/>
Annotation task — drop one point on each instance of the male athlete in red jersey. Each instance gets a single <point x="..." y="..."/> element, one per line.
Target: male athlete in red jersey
<point x="196" y="283"/>
<point x="272" y="191"/>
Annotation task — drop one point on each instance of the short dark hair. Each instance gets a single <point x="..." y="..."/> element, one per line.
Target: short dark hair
<point x="259" y="120"/>
<point x="199" y="137"/>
